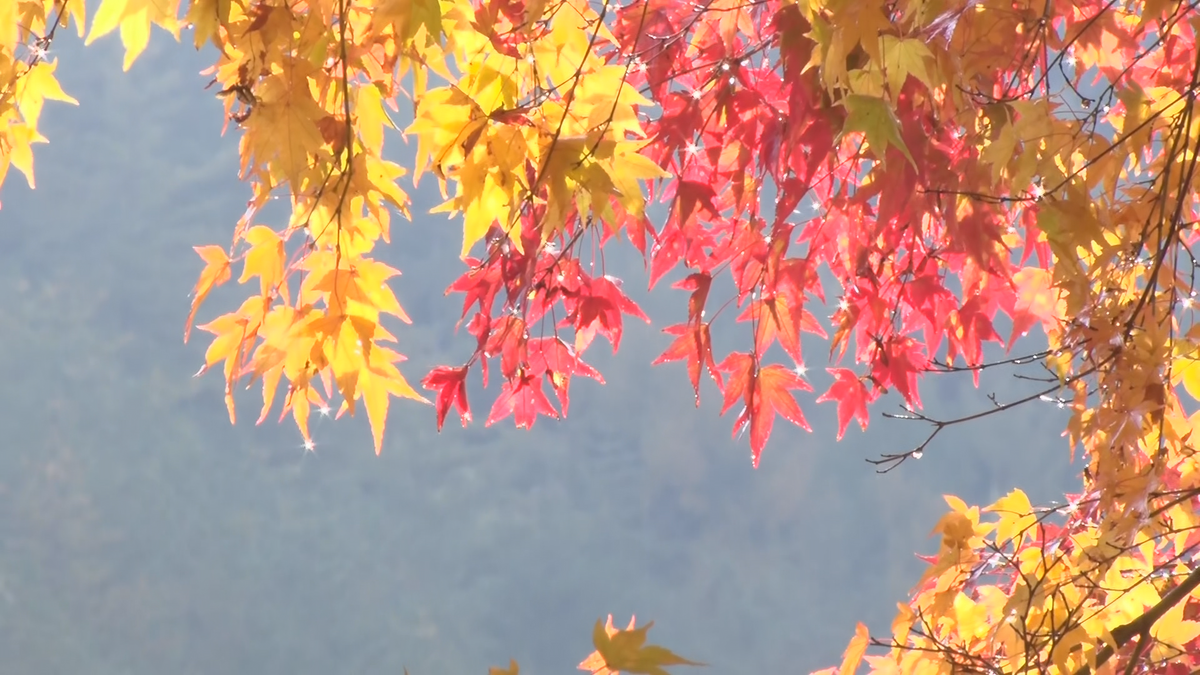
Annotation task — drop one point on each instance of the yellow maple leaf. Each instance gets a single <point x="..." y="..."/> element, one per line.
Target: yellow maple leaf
<point x="379" y="382"/>
<point x="364" y="369"/>
<point x="1173" y="630"/>
<point x="282" y="131"/>
<point x="1187" y="370"/>
<point x="371" y="118"/>
<point x="9" y="25"/>
<point x="1016" y="517"/>
<point x="134" y="18"/>
<point x="626" y="168"/>
<point x="17" y="145"/>
<point x="37" y="85"/>
<point x="265" y="260"/>
<point x="215" y="273"/>
<point x="904" y="57"/>
<point x="206" y="16"/>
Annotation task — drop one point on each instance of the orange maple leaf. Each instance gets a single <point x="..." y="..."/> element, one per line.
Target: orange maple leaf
<point x="595" y="663"/>
<point x="627" y="651"/>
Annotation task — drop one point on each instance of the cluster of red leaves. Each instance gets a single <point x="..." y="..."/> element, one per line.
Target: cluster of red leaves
<point x="740" y="114"/>
<point x="531" y="285"/>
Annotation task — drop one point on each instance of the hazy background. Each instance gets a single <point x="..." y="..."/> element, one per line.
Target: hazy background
<point x="141" y="534"/>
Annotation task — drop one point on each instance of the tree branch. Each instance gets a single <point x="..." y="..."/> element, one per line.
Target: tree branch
<point x="1143" y="624"/>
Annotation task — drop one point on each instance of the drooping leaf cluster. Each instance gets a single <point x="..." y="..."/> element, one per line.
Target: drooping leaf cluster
<point x="27" y="79"/>
<point x="945" y="173"/>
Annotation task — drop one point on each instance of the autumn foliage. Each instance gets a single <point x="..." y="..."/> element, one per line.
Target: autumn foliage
<point x="944" y="173"/>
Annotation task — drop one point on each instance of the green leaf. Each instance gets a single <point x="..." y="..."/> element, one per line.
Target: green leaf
<point x="873" y="117"/>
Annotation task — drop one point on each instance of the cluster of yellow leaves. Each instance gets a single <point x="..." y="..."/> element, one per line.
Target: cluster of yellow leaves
<point x="1074" y="599"/>
<point x="550" y="104"/>
<point x="1067" y="602"/>
<point x="27" y="79"/>
<point x="313" y="117"/>
<point x="310" y="102"/>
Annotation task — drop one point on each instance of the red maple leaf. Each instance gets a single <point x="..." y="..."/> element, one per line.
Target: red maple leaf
<point x="523" y="398"/>
<point x="901" y="361"/>
<point x="598" y="310"/>
<point x="478" y="284"/>
<point x="451" y="386"/>
<point x="557" y="361"/>
<point x="852" y="396"/>
<point x="778" y="319"/>
<point x="667" y="251"/>
<point x="694" y="344"/>
<point x="698" y="284"/>
<point x="765" y="391"/>
<point x="508" y="339"/>
<point x="972" y="327"/>
<point x="926" y="294"/>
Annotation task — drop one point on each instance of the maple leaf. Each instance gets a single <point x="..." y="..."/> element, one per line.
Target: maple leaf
<point x="206" y="17"/>
<point x="932" y="302"/>
<point x="852" y="397"/>
<point x="38" y="85"/>
<point x="215" y="273"/>
<point x="776" y="319"/>
<point x="512" y="669"/>
<point x="594" y="663"/>
<point x="873" y="117"/>
<point x="695" y="345"/>
<point x="855" y="650"/>
<point x="764" y="391"/>
<point x="902" y="362"/>
<point x="626" y="650"/>
<point x="281" y="130"/>
<point x="451" y="387"/>
<point x="509" y="338"/>
<point x="1035" y="301"/>
<point x="599" y="310"/>
<point x="479" y="284"/>
<point x="134" y="18"/>
<point x="524" y="399"/>
<point x="264" y="260"/>
<point x="1017" y="516"/>
<point x="558" y="362"/>
<point x="905" y="57"/>
<point x="699" y="284"/>
<point x="368" y="372"/>
<point x="972" y="327"/>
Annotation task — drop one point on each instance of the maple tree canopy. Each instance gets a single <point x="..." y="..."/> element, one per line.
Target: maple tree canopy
<point x="945" y="173"/>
